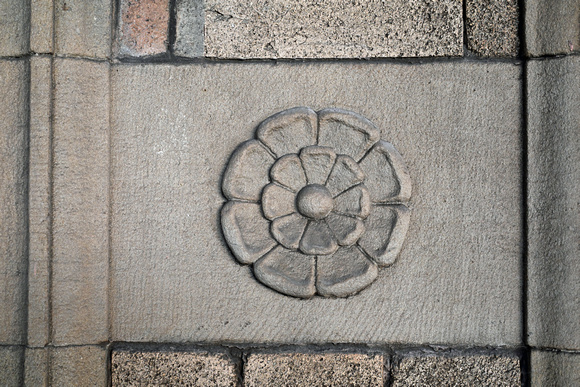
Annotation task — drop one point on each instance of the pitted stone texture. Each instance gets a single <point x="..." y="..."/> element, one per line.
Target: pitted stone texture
<point x="36" y="366"/>
<point x="189" y="17"/>
<point x="143" y="28"/>
<point x="457" y="126"/>
<point x="14" y="27"/>
<point x="83" y="28"/>
<point x="78" y="366"/>
<point x="492" y="27"/>
<point x="552" y="27"/>
<point x="41" y="26"/>
<point x="457" y="371"/>
<point x="555" y="369"/>
<point x="14" y="80"/>
<point x="172" y="368"/>
<point x="11" y="364"/>
<point x="553" y="203"/>
<point x="314" y="369"/>
<point x="332" y="29"/>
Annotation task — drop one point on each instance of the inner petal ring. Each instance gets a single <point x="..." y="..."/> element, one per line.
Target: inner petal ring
<point x="314" y="201"/>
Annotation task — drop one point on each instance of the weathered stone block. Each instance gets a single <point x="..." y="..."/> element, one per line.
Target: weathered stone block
<point x="557" y="369"/>
<point x="81" y="200"/>
<point x="36" y="366"/>
<point x="78" y="366"/>
<point x="553" y="197"/>
<point x="143" y="28"/>
<point x="315" y="369"/>
<point x="41" y="26"/>
<point x="457" y="126"/>
<point x="492" y="27"/>
<point x="457" y="371"/>
<point x="11" y="365"/>
<point x="189" y="39"/>
<point x="14" y="79"/>
<point x="552" y="27"/>
<point x="172" y="368"/>
<point x="332" y="29"/>
<point x="83" y="28"/>
<point x="14" y="27"/>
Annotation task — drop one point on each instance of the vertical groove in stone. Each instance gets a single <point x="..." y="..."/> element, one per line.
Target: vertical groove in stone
<point x="39" y="201"/>
<point x="81" y="197"/>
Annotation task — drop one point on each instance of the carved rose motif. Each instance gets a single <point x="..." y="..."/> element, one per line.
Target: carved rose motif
<point x="315" y="203"/>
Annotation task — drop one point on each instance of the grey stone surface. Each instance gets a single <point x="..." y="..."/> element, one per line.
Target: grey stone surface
<point x="41" y="26"/>
<point x="555" y="369"/>
<point x="80" y="202"/>
<point x="332" y="28"/>
<point x="492" y="27"/>
<point x="553" y="202"/>
<point x="172" y="368"/>
<point x="39" y="203"/>
<point x="36" y="367"/>
<point x="78" y="366"/>
<point x="320" y="369"/>
<point x="552" y="27"/>
<point x="458" y="275"/>
<point x="457" y="371"/>
<point x="14" y="78"/>
<point x="83" y="28"/>
<point x="14" y="27"/>
<point x="11" y="366"/>
<point x="189" y="39"/>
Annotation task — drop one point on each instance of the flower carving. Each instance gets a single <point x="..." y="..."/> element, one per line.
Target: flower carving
<point x="316" y="203"/>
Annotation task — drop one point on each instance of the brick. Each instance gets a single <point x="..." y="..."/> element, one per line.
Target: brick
<point x="14" y="78"/>
<point x="143" y="28"/>
<point x="332" y="29"/>
<point x="14" y="27"/>
<point x="80" y="203"/>
<point x="79" y="366"/>
<point x="83" y="28"/>
<point x="323" y="369"/>
<point x="552" y="27"/>
<point x="172" y="368"/>
<point x="553" y="197"/>
<point x="457" y="371"/>
<point x="492" y="27"/>
<point x="550" y="368"/>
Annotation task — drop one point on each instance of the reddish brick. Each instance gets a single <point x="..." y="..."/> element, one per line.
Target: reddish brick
<point x="143" y="27"/>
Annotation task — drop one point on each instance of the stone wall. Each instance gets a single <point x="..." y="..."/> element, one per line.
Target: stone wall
<point x="140" y="243"/>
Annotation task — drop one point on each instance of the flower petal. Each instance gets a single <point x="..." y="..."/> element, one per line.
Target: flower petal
<point x="289" y="229"/>
<point x="346" y="229"/>
<point x="386" y="230"/>
<point x="318" y="239"/>
<point x="288" y="272"/>
<point x="317" y="162"/>
<point x="247" y="172"/>
<point x="344" y="273"/>
<point x="347" y="132"/>
<point x="246" y="231"/>
<point x="356" y="202"/>
<point x="345" y="174"/>
<point x="277" y="201"/>
<point x="289" y="131"/>
<point x="288" y="172"/>
<point x="387" y="176"/>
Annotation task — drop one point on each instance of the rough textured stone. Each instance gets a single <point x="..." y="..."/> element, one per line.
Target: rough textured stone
<point x="143" y="28"/>
<point x="14" y="27"/>
<point x="332" y="28"/>
<point x="36" y="367"/>
<point x="172" y="368"/>
<point x="83" y="28"/>
<point x="555" y="369"/>
<point x="11" y="366"/>
<point x="78" y="366"/>
<point x="14" y="78"/>
<point x="39" y="217"/>
<point x="457" y="371"/>
<point x="552" y="27"/>
<point x="320" y="369"/>
<point x="458" y="276"/>
<point x="492" y="27"/>
<point x="553" y="203"/>
<point x="41" y="26"/>
<point x="189" y="16"/>
<point x="80" y="204"/>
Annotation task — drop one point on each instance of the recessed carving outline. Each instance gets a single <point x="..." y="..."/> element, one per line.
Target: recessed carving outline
<point x="316" y="202"/>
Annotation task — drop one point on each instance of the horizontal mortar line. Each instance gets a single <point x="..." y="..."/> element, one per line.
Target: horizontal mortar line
<point x="556" y="350"/>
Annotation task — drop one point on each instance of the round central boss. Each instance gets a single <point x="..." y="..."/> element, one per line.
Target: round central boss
<point x="314" y="201"/>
